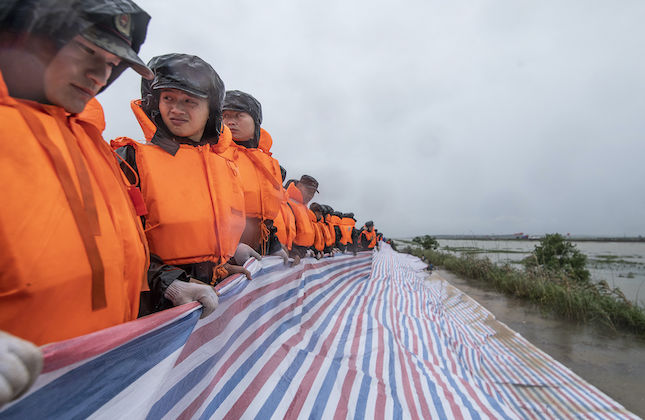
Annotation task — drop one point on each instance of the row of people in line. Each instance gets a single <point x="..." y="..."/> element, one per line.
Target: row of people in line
<point x="207" y="187"/>
<point x="84" y="235"/>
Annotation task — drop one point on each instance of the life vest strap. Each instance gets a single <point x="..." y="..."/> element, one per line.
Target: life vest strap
<point x="84" y="213"/>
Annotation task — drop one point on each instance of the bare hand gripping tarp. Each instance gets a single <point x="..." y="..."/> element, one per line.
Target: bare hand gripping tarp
<point x="362" y="336"/>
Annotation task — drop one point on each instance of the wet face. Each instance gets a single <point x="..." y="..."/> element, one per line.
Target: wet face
<point x="307" y="192"/>
<point x="77" y="73"/>
<point x="185" y="115"/>
<point x="240" y="123"/>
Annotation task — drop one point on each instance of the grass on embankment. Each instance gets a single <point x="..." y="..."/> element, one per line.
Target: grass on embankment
<point x="584" y="302"/>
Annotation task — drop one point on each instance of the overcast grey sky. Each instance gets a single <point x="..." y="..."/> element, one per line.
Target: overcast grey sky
<point x="483" y="116"/>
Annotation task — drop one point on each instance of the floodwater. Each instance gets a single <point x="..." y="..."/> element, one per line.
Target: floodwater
<point x="620" y="264"/>
<point x="613" y="362"/>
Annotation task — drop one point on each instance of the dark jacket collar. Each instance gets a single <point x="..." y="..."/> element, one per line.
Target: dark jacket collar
<point x="171" y="144"/>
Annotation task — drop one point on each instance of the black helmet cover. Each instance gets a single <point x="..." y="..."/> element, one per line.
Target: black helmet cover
<point x="236" y="100"/>
<point x="187" y="73"/>
<point x="118" y="26"/>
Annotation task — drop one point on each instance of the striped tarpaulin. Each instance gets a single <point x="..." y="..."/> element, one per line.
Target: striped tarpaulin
<point x="364" y="336"/>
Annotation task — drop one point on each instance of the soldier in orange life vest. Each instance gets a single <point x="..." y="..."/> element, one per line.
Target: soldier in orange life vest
<point x="368" y="236"/>
<point x="285" y="222"/>
<point x="74" y="255"/>
<point x="300" y="194"/>
<point x="349" y="234"/>
<point x="192" y="190"/>
<point x="329" y="236"/>
<point x="335" y="220"/>
<point x="330" y="241"/>
<point x="261" y="178"/>
<point x="321" y="233"/>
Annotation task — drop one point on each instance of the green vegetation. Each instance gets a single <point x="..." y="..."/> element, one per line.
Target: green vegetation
<point x="557" y="255"/>
<point x="426" y="241"/>
<point x="612" y="259"/>
<point x="551" y="289"/>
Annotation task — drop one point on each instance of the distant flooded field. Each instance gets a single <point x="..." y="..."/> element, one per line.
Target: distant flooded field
<point x="620" y="264"/>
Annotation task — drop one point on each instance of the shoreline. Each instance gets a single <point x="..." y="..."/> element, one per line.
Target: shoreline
<point x="536" y="238"/>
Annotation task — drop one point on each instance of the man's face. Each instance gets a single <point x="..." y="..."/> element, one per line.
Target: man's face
<point x="77" y="73"/>
<point x="185" y="115"/>
<point x="307" y="192"/>
<point x="240" y="123"/>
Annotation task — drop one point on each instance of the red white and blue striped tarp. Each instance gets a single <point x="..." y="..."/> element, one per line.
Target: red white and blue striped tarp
<point x="366" y="336"/>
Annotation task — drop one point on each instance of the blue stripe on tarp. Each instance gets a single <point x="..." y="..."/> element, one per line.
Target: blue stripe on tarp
<point x="584" y="404"/>
<point x="364" y="391"/>
<point x="396" y="404"/>
<point x="278" y="393"/>
<point x="332" y="373"/>
<point x="239" y="288"/>
<point x="274" y="399"/>
<point x="193" y="377"/>
<point x="436" y="399"/>
<point x="83" y="390"/>
<point x="457" y="392"/>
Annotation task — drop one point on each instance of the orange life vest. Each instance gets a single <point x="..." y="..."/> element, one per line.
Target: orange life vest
<point x="346" y="227"/>
<point x="328" y="233"/>
<point x="74" y="256"/>
<point x="261" y="178"/>
<point x="319" y="238"/>
<point x="305" y="232"/>
<point x="369" y="236"/>
<point x="333" y="221"/>
<point x="194" y="199"/>
<point x="285" y="223"/>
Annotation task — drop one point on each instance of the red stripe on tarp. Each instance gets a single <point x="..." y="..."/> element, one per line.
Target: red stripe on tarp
<point x="198" y="401"/>
<point x="381" y="392"/>
<point x="211" y="330"/>
<point x="253" y="388"/>
<point x="75" y="350"/>
<point x="312" y="372"/>
<point x="396" y="331"/>
<point x="406" y="359"/>
<point x="342" y="409"/>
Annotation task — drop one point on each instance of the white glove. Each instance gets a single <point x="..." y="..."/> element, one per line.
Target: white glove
<point x="20" y="365"/>
<point x="244" y="252"/>
<point x="282" y="253"/>
<point x="181" y="292"/>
